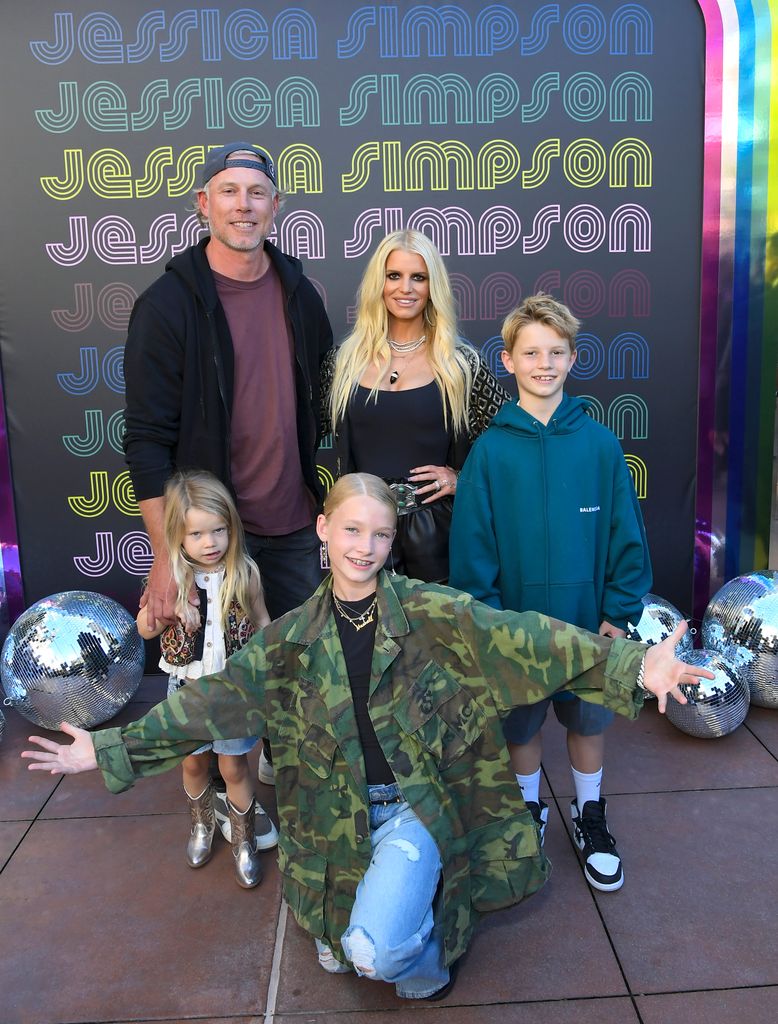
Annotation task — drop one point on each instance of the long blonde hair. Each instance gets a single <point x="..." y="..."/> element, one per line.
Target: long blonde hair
<point x="367" y="344"/>
<point x="359" y="485"/>
<point x="202" y="490"/>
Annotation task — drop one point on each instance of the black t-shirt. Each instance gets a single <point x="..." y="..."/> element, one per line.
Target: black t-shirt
<point x="358" y="647"/>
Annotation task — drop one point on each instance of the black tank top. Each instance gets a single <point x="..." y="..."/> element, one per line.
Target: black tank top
<point x="401" y="430"/>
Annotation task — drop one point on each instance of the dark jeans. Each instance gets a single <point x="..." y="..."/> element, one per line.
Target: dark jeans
<point x="289" y="566"/>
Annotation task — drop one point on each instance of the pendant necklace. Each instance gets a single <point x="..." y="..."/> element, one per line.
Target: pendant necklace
<point x="403" y="350"/>
<point x="358" y="621"/>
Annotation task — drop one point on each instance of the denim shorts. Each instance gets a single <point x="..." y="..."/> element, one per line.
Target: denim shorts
<point x="233" y="748"/>
<point x="579" y="716"/>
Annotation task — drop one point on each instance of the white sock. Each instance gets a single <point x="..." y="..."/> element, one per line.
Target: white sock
<point x="530" y="786"/>
<point x="587" y="787"/>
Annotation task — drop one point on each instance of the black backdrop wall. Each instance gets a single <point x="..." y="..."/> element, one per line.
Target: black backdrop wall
<point x="554" y="146"/>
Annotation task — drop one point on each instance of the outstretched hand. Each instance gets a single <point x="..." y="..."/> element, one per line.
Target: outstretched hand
<point x="63" y="758"/>
<point x="664" y="672"/>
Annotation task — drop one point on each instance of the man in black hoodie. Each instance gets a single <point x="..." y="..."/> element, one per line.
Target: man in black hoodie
<point x="222" y="373"/>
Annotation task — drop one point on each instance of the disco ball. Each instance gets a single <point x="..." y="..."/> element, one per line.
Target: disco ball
<point x="658" y="620"/>
<point x="75" y="657"/>
<point x="745" y="612"/>
<point x="716" y="706"/>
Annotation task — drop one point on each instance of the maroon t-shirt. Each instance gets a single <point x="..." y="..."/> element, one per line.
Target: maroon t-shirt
<point x="266" y="471"/>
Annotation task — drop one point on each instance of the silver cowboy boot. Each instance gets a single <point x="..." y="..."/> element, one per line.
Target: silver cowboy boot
<point x="265" y="832"/>
<point x="248" y="870"/>
<point x="198" y="849"/>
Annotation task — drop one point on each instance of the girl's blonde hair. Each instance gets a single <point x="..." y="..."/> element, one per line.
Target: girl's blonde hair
<point x="367" y="344"/>
<point x="358" y="485"/>
<point x="202" y="490"/>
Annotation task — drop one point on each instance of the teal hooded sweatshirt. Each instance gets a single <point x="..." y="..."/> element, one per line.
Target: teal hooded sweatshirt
<point x="546" y="519"/>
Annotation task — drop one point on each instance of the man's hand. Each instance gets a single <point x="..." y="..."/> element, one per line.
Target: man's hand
<point x="159" y="597"/>
<point x="664" y="672"/>
<point x="60" y="758"/>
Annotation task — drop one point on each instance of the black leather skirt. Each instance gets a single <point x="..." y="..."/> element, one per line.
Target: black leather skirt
<point x="420" y="548"/>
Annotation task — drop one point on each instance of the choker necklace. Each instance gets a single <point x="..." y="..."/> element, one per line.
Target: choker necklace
<point x="359" y="621"/>
<point x="209" y="568"/>
<point x="411" y="346"/>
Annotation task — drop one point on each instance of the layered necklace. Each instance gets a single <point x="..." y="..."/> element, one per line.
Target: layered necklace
<point x="408" y="347"/>
<point x="357" y="621"/>
<point x="403" y="351"/>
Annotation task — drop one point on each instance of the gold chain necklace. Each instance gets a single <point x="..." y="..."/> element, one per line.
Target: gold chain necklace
<point x="359" y="621"/>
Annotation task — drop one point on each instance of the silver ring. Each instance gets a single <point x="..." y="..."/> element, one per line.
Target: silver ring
<point x="437" y="485"/>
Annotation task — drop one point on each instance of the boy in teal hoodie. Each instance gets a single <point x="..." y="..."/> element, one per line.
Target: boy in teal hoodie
<point x="546" y="519"/>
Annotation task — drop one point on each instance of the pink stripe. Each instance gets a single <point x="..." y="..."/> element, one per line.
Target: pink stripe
<point x="709" y="288"/>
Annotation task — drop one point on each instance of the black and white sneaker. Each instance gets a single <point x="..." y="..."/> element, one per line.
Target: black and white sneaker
<point x="539" y="811"/>
<point x="602" y="864"/>
<point x="265" y="832"/>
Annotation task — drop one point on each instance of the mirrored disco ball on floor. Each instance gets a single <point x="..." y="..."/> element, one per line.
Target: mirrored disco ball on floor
<point x="745" y="612"/>
<point x="717" y="706"/>
<point x="74" y="657"/>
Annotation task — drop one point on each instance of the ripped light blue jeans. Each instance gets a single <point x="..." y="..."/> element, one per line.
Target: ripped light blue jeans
<point x="392" y="935"/>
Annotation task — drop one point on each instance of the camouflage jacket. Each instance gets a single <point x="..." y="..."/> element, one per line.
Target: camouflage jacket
<point x="445" y="670"/>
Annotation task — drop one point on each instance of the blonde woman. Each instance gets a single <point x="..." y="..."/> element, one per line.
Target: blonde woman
<point x="401" y="821"/>
<point x="407" y="397"/>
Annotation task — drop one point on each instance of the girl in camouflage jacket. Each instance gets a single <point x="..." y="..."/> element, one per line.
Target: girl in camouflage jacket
<point x="388" y="873"/>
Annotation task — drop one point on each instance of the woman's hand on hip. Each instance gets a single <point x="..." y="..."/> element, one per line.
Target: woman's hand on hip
<point x="437" y="482"/>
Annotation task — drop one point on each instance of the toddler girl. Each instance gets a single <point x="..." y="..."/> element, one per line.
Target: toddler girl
<point x="204" y="538"/>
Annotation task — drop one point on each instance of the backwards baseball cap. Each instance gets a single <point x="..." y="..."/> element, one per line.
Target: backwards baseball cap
<point x="219" y="160"/>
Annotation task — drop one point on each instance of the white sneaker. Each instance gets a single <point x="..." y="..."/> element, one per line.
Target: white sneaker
<point x="328" y="962"/>
<point x="265" y="832"/>
<point x="222" y="814"/>
<point x="539" y="811"/>
<point x="602" y="863"/>
<point x="265" y="772"/>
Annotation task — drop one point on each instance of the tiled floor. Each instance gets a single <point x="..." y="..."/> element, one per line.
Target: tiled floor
<point x="101" y="920"/>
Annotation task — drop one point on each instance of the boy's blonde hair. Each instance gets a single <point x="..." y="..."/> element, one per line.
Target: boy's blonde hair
<point x="540" y="309"/>
<point x="202" y="490"/>
<point x="354" y="485"/>
<point x="367" y="344"/>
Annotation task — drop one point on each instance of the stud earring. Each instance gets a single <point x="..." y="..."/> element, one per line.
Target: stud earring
<point x="324" y="555"/>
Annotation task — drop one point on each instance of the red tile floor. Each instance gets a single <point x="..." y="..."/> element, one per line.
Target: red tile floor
<point x="101" y="920"/>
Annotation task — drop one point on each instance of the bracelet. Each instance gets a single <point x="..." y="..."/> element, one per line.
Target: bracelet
<point x="642" y="676"/>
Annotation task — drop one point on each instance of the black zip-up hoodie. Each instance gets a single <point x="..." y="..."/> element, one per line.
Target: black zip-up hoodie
<point x="179" y="364"/>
